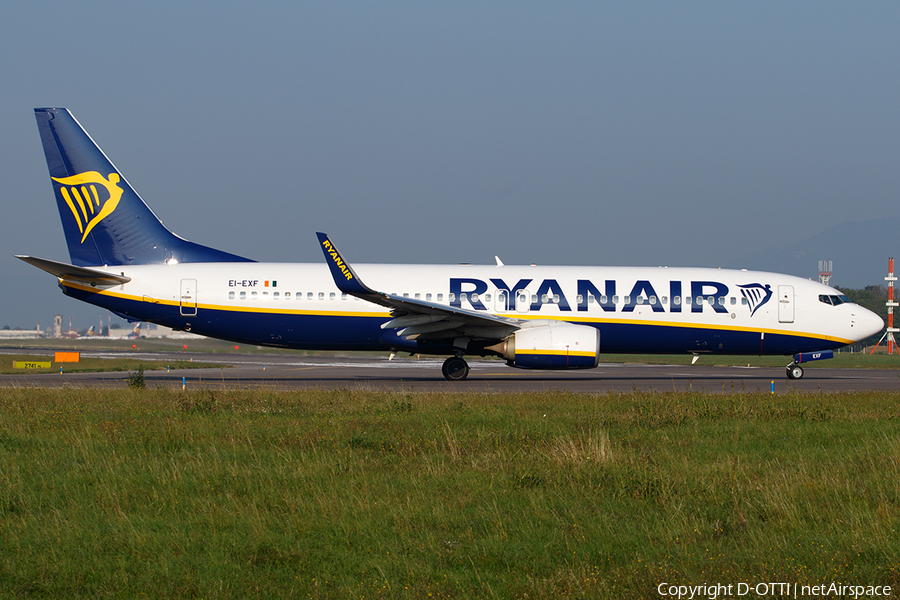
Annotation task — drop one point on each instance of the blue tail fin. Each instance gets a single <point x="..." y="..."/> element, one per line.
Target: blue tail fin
<point x="105" y="221"/>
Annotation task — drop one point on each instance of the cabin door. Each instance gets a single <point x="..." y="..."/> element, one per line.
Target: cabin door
<point x="188" y="298"/>
<point x="785" y="304"/>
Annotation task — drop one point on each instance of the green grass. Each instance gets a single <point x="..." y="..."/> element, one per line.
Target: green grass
<point x="96" y="365"/>
<point x="360" y="494"/>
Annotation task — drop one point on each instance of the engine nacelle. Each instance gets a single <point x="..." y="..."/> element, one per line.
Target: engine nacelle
<point x="552" y="346"/>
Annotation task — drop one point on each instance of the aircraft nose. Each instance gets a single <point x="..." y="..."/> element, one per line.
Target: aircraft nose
<point x="867" y="323"/>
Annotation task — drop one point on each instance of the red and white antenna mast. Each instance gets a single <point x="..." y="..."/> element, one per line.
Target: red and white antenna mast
<point x="824" y="271"/>
<point x="891" y="330"/>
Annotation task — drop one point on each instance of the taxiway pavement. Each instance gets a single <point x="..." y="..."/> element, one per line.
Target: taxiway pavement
<point x="292" y="372"/>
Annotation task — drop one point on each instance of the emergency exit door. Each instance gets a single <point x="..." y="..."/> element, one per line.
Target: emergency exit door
<point x="785" y="304"/>
<point x="188" y="298"/>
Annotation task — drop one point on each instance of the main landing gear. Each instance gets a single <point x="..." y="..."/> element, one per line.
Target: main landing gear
<point x="794" y="371"/>
<point x="455" y="368"/>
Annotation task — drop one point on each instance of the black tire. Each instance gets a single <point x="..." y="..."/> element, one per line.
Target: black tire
<point x="795" y="372"/>
<point x="455" y="368"/>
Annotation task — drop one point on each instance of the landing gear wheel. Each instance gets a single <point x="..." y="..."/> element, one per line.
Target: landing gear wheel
<point x="455" y="368"/>
<point x="794" y="372"/>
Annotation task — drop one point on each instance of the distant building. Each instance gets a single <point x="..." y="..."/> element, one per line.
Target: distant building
<point x="20" y="334"/>
<point x="144" y="330"/>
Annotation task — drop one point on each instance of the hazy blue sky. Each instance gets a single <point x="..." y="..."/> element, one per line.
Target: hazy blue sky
<point x="678" y="133"/>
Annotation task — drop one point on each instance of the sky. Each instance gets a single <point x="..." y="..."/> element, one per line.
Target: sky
<point x="586" y="133"/>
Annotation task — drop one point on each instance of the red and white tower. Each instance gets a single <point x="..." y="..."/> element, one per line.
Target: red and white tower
<point x="891" y="330"/>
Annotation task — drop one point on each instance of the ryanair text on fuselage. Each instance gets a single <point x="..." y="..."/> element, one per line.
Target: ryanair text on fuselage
<point x="709" y="293"/>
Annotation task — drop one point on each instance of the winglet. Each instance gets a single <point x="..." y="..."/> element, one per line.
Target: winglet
<point x="345" y="278"/>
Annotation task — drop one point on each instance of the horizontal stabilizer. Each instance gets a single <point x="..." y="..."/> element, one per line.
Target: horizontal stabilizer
<point x="66" y="271"/>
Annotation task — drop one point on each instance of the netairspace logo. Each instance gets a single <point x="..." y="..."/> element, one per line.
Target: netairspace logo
<point x="713" y="591"/>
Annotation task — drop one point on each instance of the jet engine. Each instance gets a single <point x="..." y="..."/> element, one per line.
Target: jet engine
<point x="552" y="345"/>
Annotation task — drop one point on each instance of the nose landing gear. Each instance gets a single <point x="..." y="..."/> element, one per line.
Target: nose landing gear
<point x="794" y="371"/>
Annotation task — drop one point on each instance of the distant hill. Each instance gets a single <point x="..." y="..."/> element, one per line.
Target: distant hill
<point x="858" y="249"/>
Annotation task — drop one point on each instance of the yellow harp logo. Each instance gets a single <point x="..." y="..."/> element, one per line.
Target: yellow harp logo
<point x="87" y="206"/>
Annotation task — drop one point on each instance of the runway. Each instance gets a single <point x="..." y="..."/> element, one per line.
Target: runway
<point x="291" y="372"/>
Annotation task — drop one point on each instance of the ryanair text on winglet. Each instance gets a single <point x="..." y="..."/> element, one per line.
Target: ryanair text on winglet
<point x="337" y="259"/>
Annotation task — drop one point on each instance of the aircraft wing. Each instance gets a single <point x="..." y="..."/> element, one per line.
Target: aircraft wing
<point x="67" y="271"/>
<point x="417" y="318"/>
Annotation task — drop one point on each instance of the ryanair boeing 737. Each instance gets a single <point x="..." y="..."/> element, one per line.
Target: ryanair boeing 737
<point x="125" y="260"/>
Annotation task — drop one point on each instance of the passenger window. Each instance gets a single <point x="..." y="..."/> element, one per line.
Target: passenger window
<point x="579" y="299"/>
<point x="321" y="295"/>
<point x="331" y="296"/>
<point x="627" y="299"/>
<point x="688" y="300"/>
<point x="744" y="301"/>
<point x="253" y="295"/>
<point x="665" y="299"/>
<point x="615" y="299"/>
<point x="487" y="297"/>
<point x="676" y="300"/>
<point x="428" y="297"/>
<point x="440" y="297"/>
<point x="474" y="297"/>
<point x="544" y="299"/>
<point x="243" y="295"/>
<point x="309" y="295"/>
<point x="287" y="295"/>
<point x="721" y="300"/>
<point x="418" y="296"/>
<point x="275" y="295"/>
<point x="652" y="300"/>
<point x="733" y="300"/>
<point x="451" y="297"/>
<point x="343" y="296"/>
<point x="533" y="298"/>
<point x="555" y="298"/>
<point x="604" y="299"/>
<point x="231" y="295"/>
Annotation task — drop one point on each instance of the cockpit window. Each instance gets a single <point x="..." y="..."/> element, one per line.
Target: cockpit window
<point x="833" y="300"/>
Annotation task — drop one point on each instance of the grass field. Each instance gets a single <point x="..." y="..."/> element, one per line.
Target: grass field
<point x="359" y="494"/>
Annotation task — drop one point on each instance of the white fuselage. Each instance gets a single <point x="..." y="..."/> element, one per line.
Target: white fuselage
<point x="637" y="309"/>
